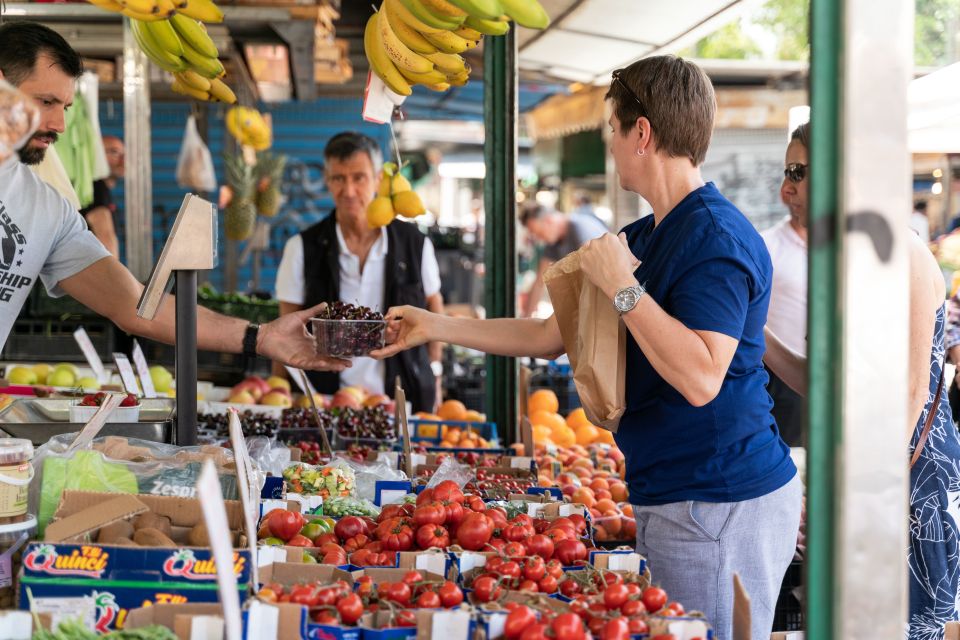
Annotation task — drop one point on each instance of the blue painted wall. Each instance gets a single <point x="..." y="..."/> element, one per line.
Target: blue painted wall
<point x="301" y="130"/>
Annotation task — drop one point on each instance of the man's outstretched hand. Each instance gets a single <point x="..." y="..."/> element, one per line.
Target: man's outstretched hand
<point x="286" y="340"/>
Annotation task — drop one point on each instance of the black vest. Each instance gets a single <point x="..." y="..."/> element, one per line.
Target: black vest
<point x="402" y="286"/>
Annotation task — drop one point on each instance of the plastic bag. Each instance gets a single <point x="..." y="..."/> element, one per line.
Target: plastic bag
<point x="368" y="473"/>
<point x="19" y="118"/>
<point x="114" y="464"/>
<point x="195" y="166"/>
<point x="330" y="480"/>
<point x="271" y="458"/>
<point x="450" y="469"/>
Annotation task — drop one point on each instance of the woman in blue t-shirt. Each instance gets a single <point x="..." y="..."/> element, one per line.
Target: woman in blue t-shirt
<point x="713" y="488"/>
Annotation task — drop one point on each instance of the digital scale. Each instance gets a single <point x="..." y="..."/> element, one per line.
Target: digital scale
<point x="190" y="247"/>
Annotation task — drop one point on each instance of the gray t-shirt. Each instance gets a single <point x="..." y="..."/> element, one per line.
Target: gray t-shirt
<point x="582" y="227"/>
<point x="41" y="234"/>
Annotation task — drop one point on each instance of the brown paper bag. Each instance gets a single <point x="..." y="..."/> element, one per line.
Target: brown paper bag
<point x="595" y="340"/>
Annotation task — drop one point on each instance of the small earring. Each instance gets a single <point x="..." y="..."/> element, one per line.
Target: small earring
<point x="639" y="152"/>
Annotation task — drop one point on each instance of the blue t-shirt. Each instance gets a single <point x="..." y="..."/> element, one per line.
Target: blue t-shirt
<point x="706" y="266"/>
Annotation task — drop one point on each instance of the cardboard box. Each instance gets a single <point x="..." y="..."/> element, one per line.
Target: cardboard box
<point x="454" y="624"/>
<point x="122" y="578"/>
<point x="282" y="621"/>
<point x="289" y="574"/>
<point x="372" y="626"/>
<point x="463" y="562"/>
<point x="393" y="574"/>
<point x="433" y="561"/>
<point x="182" y="619"/>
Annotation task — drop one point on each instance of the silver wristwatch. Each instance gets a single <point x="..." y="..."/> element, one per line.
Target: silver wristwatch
<point x="627" y="298"/>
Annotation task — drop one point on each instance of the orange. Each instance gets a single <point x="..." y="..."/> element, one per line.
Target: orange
<point x="423" y="415"/>
<point x="577" y="418"/>
<point x="605" y="437"/>
<point x="603" y="494"/>
<point x="446" y="444"/>
<point x="452" y="434"/>
<point x="586" y="433"/>
<point x="606" y="504"/>
<point x="548" y="419"/>
<point x="618" y="491"/>
<point x="583" y="496"/>
<point x="475" y="416"/>
<point x="564" y="436"/>
<point x="453" y="410"/>
<point x="541" y="433"/>
<point x="599" y="483"/>
<point x="543" y="400"/>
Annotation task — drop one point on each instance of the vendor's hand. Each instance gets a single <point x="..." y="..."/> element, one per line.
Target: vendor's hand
<point x="286" y="340"/>
<point x="407" y="327"/>
<point x="609" y="264"/>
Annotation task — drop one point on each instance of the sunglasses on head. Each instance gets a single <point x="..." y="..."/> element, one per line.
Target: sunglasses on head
<point x="795" y="172"/>
<point x="616" y="78"/>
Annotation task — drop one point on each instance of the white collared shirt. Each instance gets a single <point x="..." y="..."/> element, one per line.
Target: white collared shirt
<point x="787" y="315"/>
<point x="364" y="288"/>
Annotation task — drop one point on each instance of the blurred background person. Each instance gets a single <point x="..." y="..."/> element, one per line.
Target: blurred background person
<point x="101" y="214"/>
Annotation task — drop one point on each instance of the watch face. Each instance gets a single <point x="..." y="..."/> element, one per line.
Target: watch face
<point x="625" y="300"/>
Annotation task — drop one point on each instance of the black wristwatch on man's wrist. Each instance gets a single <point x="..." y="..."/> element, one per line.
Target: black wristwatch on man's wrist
<point x="250" y="339"/>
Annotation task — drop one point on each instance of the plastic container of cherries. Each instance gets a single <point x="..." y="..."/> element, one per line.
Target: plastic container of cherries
<point x="344" y="330"/>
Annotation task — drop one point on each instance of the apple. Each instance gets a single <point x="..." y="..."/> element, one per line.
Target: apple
<point x="61" y="378"/>
<point x="88" y="382"/>
<point x="318" y="398"/>
<point x="360" y="393"/>
<point x="344" y="398"/>
<point x="260" y="382"/>
<point x="22" y="375"/>
<point x="161" y="377"/>
<point x="276" y="399"/>
<point x="242" y="397"/>
<point x="276" y="382"/>
<point x="42" y="371"/>
<point x="376" y="400"/>
<point x="282" y="390"/>
<point x="249" y="387"/>
<point x="69" y="367"/>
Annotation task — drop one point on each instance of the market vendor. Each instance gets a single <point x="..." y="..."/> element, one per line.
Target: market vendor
<point x="43" y="235"/>
<point x="713" y="488"/>
<point x="342" y="258"/>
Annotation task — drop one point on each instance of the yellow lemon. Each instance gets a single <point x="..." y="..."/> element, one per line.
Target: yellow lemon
<point x="408" y="204"/>
<point x="380" y="212"/>
<point x="399" y="184"/>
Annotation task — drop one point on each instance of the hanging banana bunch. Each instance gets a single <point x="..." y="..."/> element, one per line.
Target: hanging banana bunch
<point x="171" y="33"/>
<point x="410" y="42"/>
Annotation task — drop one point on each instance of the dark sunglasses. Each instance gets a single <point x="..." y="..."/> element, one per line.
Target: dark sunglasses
<point x="616" y="78"/>
<point x="795" y="172"/>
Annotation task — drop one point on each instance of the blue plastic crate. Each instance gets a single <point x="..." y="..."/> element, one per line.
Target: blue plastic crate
<point x="487" y="430"/>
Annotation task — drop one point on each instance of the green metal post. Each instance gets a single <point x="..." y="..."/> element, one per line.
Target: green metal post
<point x="499" y="191"/>
<point x="825" y="319"/>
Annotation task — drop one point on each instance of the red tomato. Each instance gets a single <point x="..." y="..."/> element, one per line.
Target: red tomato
<point x="350" y="608"/>
<point x="454" y="514"/>
<point x="509" y="569"/>
<point x="334" y="557"/>
<point x="285" y="524"/>
<point x="364" y="586"/>
<point x="425" y="497"/>
<point x="677" y="608"/>
<point x="534" y="568"/>
<point x="412" y="576"/>
<point x="428" y="600"/>
<point x="559" y="534"/>
<point x="432" y="535"/>
<point x="299" y="541"/>
<point x="362" y="558"/>
<point x="632" y="608"/>
<point x="448" y="491"/>
<point x="475" y="531"/>
<point x="393" y="511"/>
<point x="450" y="595"/>
<point x="654" y="598"/>
<point x="432" y="513"/>
<point x="325" y="616"/>
<point x="517" y="622"/>
<point x="400" y="538"/>
<point x="540" y="545"/>
<point x="356" y="542"/>
<point x="398" y="592"/>
<point x="304" y="594"/>
<point x="567" y="626"/>
<point x="530" y="586"/>
<point x="534" y="632"/>
<point x="475" y="503"/>
<point x="555" y="569"/>
<point x="570" y="552"/>
<point x="616" y="629"/>
<point x="497" y="544"/>
<point x="405" y="618"/>
<point x="547" y="584"/>
<point x="515" y="550"/>
<point x="579" y="523"/>
<point x="634" y="589"/>
<point x="486" y="589"/>
<point x="350" y="527"/>
<point x="570" y="587"/>
<point x="638" y="625"/>
<point x="517" y="531"/>
<point x="615" y="596"/>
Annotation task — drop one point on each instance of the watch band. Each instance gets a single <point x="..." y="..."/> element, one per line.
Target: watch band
<point x="437" y="367"/>
<point x="250" y="339"/>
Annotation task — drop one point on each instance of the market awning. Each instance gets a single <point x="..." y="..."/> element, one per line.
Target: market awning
<point x="934" y="112"/>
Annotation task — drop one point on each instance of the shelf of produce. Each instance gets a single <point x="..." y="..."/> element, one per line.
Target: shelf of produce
<point x="22" y="419"/>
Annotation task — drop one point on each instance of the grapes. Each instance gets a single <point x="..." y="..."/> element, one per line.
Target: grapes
<point x="345" y="330"/>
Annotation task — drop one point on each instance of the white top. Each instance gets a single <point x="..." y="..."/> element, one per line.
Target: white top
<point x="366" y="289"/>
<point x="787" y="316"/>
<point x="41" y="235"/>
<point x="52" y="171"/>
<point x="920" y="225"/>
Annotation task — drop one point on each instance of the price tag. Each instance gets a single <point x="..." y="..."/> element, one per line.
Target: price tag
<point x="391" y="496"/>
<point x="127" y="376"/>
<point x="215" y="517"/>
<point x="416" y="459"/>
<point x="432" y="562"/>
<point x="90" y="353"/>
<point x="16" y="625"/>
<point x="571" y="509"/>
<point x="450" y="625"/>
<point x="140" y="361"/>
<point x="207" y="628"/>
<point x="521" y="462"/>
<point x="267" y="555"/>
<point x="263" y="620"/>
<point x="624" y="562"/>
<point x="534" y="509"/>
<point x="495" y="625"/>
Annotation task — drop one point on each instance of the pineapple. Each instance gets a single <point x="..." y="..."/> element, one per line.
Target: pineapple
<point x="269" y="172"/>
<point x="241" y="214"/>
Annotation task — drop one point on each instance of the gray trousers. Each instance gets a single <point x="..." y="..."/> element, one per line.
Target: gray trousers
<point x="694" y="548"/>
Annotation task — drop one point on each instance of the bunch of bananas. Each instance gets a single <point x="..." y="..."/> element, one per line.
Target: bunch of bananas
<point x="172" y="36"/>
<point x="249" y="128"/>
<point x="410" y="42"/>
<point x="395" y="197"/>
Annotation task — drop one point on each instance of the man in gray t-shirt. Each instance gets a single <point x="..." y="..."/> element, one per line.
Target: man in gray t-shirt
<point x="561" y="234"/>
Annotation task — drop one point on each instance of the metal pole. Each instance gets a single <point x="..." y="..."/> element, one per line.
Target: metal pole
<point x="186" y="365"/>
<point x="500" y="156"/>
<point x="138" y="179"/>
<point x="824" y="316"/>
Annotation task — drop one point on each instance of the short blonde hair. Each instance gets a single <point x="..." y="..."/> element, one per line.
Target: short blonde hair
<point x="675" y="95"/>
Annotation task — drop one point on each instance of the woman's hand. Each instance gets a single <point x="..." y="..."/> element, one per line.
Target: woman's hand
<point x="407" y="327"/>
<point x="609" y="263"/>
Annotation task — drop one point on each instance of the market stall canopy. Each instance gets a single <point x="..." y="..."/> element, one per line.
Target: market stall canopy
<point x="934" y="112"/>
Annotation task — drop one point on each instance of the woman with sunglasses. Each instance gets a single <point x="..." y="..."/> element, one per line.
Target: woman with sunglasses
<point x="713" y="489"/>
<point x="933" y="557"/>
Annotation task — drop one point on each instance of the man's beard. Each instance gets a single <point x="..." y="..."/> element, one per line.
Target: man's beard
<point x="34" y="155"/>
